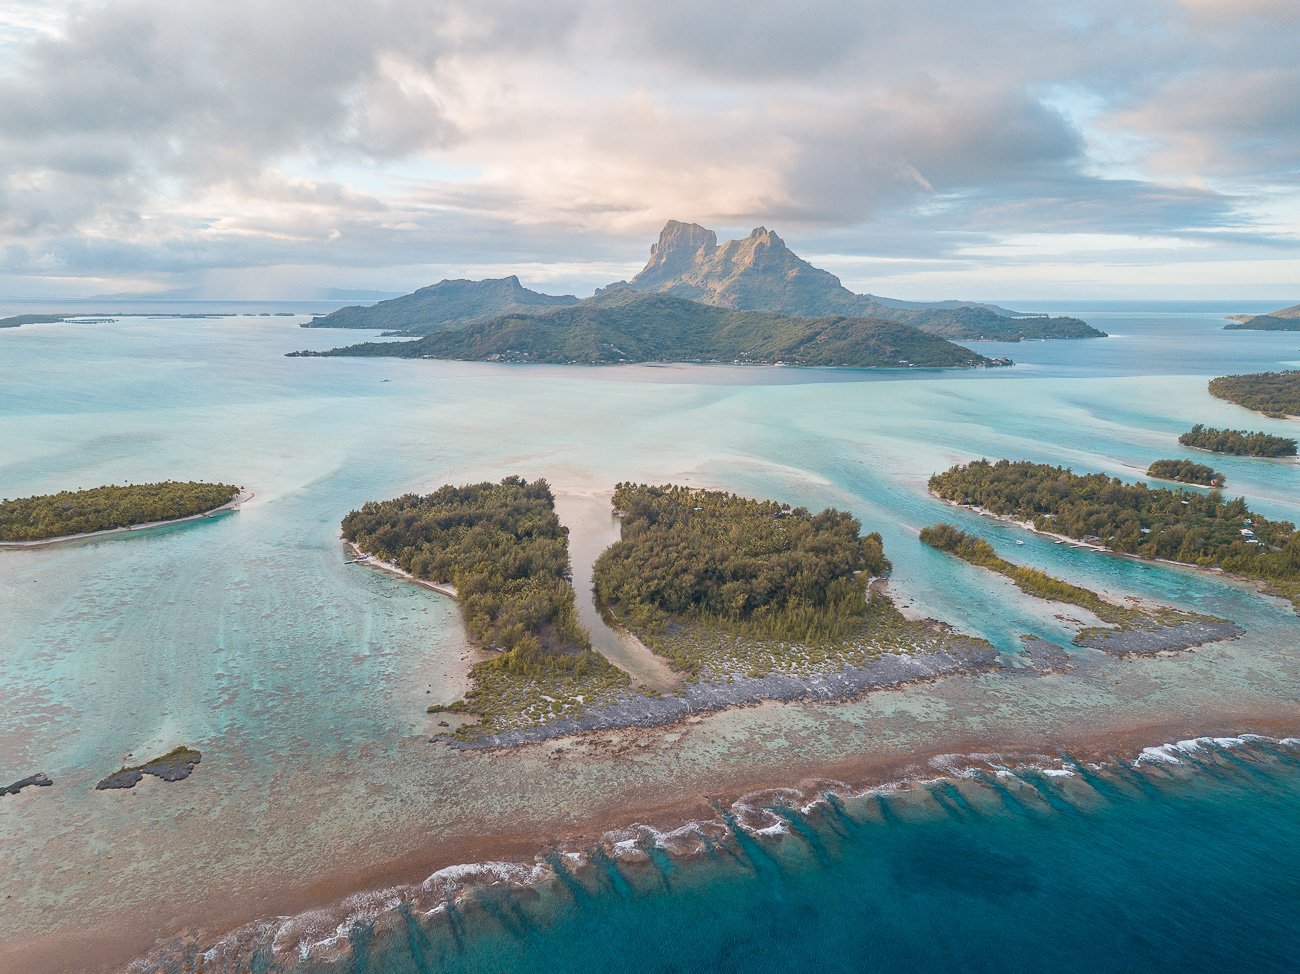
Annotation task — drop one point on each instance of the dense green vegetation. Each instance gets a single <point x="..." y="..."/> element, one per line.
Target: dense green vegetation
<point x="1237" y="443"/>
<point x="1199" y="529"/>
<point x="104" y="508"/>
<point x="1186" y="472"/>
<point x="1271" y="393"/>
<point x="447" y="304"/>
<point x="503" y="548"/>
<point x="973" y="323"/>
<point x="506" y="552"/>
<point x="620" y="325"/>
<point x="754" y="567"/>
<point x="1031" y="581"/>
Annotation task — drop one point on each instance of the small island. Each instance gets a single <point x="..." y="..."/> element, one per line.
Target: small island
<point x="1235" y="443"/>
<point x="724" y="586"/>
<point x="1134" y="628"/>
<point x="1286" y="319"/>
<point x="69" y="514"/>
<point x="1204" y="530"/>
<point x="502" y="550"/>
<point x="1186" y="472"/>
<point x="1275" y="394"/>
<point x="621" y="326"/>
<point x="17" y="321"/>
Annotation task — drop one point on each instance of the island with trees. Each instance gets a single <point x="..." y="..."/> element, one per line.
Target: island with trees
<point x="1186" y="472"/>
<point x="749" y="600"/>
<point x="1237" y="443"/>
<point x="724" y="586"/>
<point x="1285" y="319"/>
<point x="17" y="321"/>
<point x="1135" y="627"/>
<point x="623" y="326"/>
<point x="74" y="513"/>
<point x="1201" y="529"/>
<point x="759" y="273"/>
<point x="1275" y="394"/>
<point x="502" y="548"/>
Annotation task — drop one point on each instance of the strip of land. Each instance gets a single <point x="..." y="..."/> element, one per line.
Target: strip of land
<point x="241" y="497"/>
<point x="1136" y="628"/>
<point x="1200" y="530"/>
<point x="1275" y="394"/>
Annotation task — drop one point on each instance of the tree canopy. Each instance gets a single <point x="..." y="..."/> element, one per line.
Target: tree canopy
<point x="1186" y="472"/>
<point x="1237" y="443"/>
<point x="1187" y="526"/>
<point x="716" y="557"/>
<point x="1270" y="393"/>
<point x="105" y="508"/>
<point x="506" y="552"/>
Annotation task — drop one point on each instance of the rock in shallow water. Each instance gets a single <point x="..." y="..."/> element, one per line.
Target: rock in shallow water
<point x="38" y="780"/>
<point x="172" y="766"/>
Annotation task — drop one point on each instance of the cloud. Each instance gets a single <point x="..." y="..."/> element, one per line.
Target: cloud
<point x="150" y="138"/>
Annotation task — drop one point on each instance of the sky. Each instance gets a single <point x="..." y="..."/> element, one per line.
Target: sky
<point x="239" y="149"/>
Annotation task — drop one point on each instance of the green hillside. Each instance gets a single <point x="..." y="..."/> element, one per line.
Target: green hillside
<point x="623" y="326"/>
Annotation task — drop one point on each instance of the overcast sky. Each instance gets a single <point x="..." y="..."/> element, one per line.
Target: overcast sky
<point x="917" y="148"/>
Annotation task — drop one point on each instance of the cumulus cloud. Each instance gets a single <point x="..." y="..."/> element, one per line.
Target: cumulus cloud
<point x="156" y="139"/>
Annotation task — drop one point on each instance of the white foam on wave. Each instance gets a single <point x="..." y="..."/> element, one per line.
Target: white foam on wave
<point x="1175" y="752"/>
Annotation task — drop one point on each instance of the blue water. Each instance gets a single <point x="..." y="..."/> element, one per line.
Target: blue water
<point x="304" y="681"/>
<point x="1185" y="869"/>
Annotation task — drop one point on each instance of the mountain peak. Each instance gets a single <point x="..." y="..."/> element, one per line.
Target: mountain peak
<point x="680" y="247"/>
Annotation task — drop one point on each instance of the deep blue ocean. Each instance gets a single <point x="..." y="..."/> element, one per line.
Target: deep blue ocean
<point x="1188" y="867"/>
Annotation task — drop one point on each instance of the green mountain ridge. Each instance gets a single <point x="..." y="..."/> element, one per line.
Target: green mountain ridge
<point x="447" y="304"/>
<point x="623" y="326"/>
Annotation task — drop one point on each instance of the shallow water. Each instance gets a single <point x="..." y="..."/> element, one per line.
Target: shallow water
<point x="304" y="680"/>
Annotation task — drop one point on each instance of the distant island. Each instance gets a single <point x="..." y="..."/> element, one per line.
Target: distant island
<point x="1275" y="394"/>
<point x="624" y="326"/>
<point x="759" y="273"/>
<point x="1286" y="319"/>
<point x="1186" y="472"/>
<point x="1237" y="442"/>
<point x="16" y="321"/>
<point x="74" y="513"/>
<point x="1136" y="627"/>
<point x="1183" y="526"/>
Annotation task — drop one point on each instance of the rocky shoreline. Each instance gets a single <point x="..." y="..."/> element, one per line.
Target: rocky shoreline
<point x="1162" y="639"/>
<point x="889" y="671"/>
<point x="38" y="780"/>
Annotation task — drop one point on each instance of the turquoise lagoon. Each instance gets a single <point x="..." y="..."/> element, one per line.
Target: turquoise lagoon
<point x="304" y="680"/>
